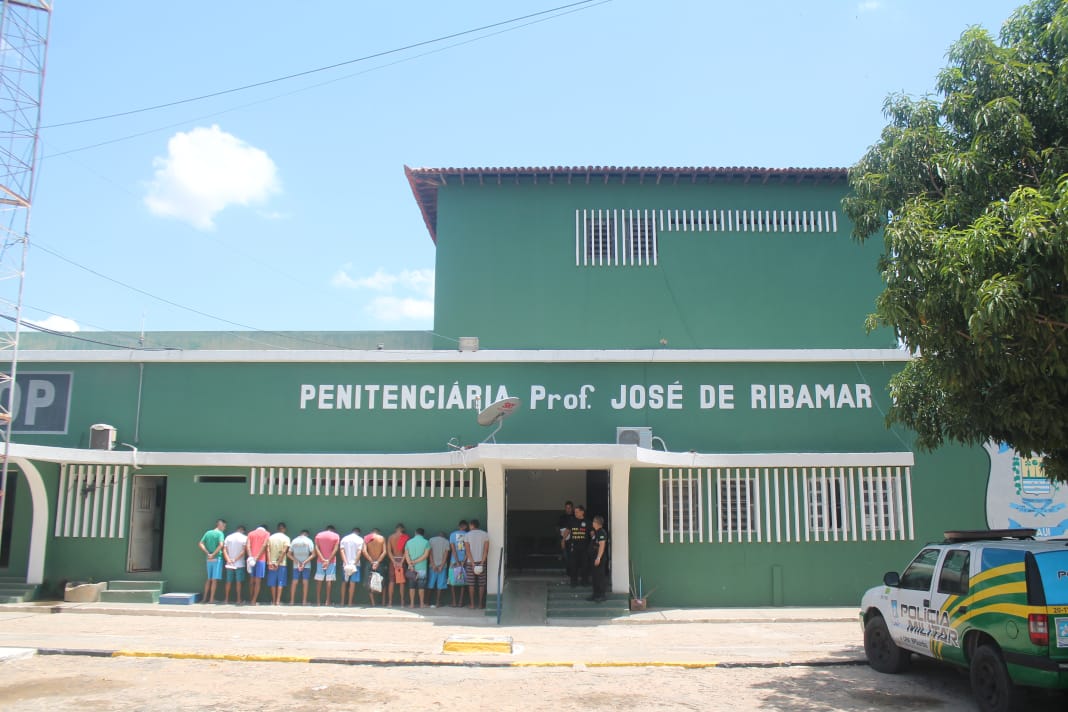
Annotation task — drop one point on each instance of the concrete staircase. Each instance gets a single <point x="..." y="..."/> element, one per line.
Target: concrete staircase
<point x="14" y="589"/>
<point x="132" y="592"/>
<point x="566" y="603"/>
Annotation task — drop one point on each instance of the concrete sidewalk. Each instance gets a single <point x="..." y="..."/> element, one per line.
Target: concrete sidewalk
<point x="440" y="616"/>
<point x="697" y="638"/>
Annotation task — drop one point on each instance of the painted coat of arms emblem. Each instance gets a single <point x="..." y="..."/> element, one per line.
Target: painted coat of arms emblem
<point x="1020" y="496"/>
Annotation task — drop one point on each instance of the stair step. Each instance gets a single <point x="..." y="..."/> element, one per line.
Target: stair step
<point x="130" y="596"/>
<point x="136" y="585"/>
<point x="12" y="599"/>
<point x="578" y="615"/>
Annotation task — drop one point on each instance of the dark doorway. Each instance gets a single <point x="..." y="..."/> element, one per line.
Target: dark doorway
<point x="146" y="523"/>
<point x="534" y="503"/>
<point x="10" y="491"/>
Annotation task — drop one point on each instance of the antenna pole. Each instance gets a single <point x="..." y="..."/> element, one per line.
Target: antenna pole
<point x="24" y="28"/>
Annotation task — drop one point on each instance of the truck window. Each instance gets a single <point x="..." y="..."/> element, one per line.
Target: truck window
<point x="954" y="576"/>
<point x="920" y="573"/>
<point x="1053" y="568"/>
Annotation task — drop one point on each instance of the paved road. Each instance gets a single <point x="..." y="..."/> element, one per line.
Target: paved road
<point x="815" y="666"/>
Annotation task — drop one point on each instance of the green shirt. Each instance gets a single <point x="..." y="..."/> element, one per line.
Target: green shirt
<point x="212" y="540"/>
<point x="416" y="547"/>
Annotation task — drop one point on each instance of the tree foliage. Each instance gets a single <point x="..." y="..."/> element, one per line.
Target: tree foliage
<point x="969" y="188"/>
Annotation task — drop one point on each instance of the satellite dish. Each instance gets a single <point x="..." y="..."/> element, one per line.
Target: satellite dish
<point x="495" y="413"/>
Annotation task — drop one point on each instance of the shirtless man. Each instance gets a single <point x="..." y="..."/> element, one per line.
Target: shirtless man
<point x="395" y="548"/>
<point x="374" y="550"/>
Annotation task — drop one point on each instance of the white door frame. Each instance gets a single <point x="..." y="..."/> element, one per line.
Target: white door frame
<point x="39" y="522"/>
<point x="618" y="505"/>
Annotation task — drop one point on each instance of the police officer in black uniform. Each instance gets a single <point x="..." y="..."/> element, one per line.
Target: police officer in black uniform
<point x="578" y="562"/>
<point x="599" y="560"/>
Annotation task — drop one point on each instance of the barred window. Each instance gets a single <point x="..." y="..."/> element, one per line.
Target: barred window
<point x="615" y="238"/>
<point x="786" y="504"/>
<point x="826" y="506"/>
<point x="681" y="506"/>
<point x="91" y="501"/>
<point x="738" y="507"/>
<point x="600" y="237"/>
<point x="367" y="482"/>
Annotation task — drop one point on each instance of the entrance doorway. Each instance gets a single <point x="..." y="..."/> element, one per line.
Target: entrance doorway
<point x="146" y="523"/>
<point x="534" y="502"/>
<point x="7" y="535"/>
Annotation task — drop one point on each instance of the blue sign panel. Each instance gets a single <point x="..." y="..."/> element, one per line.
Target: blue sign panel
<point x="42" y="402"/>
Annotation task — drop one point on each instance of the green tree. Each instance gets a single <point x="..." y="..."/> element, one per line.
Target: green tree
<point x="969" y="188"/>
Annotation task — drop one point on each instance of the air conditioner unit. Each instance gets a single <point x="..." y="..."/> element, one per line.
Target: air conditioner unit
<point x="640" y="436"/>
<point x="101" y="437"/>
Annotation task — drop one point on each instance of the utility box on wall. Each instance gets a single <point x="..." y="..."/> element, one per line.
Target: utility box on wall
<point x="640" y="436"/>
<point x="101" y="437"/>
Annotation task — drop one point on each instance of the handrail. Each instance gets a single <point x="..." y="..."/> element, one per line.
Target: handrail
<point x="500" y="584"/>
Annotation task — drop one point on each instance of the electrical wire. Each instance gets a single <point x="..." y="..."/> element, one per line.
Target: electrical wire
<point x="169" y="302"/>
<point x="275" y="97"/>
<point x="316" y="70"/>
<point x="69" y="335"/>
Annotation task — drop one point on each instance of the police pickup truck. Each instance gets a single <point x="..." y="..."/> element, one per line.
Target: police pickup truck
<point x="994" y="602"/>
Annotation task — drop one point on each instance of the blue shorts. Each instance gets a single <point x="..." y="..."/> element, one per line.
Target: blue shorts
<point x="276" y="578"/>
<point x="261" y="569"/>
<point x="355" y="578"/>
<point x="327" y="574"/>
<point x="215" y="567"/>
<point x="302" y="574"/>
<point x="437" y="579"/>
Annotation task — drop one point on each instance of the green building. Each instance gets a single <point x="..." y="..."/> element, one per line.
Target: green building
<point x="688" y="348"/>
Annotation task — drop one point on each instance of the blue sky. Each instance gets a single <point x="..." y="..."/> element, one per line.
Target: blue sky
<point x="286" y="206"/>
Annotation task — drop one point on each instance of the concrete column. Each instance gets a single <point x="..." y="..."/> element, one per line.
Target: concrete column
<point x="39" y="523"/>
<point x="495" y="516"/>
<point x="619" y="527"/>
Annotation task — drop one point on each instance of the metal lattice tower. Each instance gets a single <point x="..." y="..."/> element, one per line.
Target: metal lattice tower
<point x="24" y="27"/>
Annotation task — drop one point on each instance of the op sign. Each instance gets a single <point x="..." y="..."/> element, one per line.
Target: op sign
<point x="42" y="402"/>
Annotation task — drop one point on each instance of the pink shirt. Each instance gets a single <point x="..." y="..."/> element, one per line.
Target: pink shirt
<point x="327" y="541"/>
<point x="257" y="538"/>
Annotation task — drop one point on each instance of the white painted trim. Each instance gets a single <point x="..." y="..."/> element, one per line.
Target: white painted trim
<point x="39" y="523"/>
<point x="619" y="534"/>
<point x="484" y="356"/>
<point x="535" y="456"/>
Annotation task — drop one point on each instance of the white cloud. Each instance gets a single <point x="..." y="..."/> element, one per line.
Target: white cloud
<point x="205" y="171"/>
<point x="404" y="295"/>
<point x="57" y="323"/>
<point x="400" y="309"/>
<point x="869" y="5"/>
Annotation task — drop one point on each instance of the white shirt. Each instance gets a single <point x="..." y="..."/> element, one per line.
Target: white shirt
<point x="235" y="549"/>
<point x="352" y="547"/>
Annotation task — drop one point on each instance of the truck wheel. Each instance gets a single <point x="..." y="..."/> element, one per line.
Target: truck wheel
<point x="991" y="684"/>
<point x="883" y="653"/>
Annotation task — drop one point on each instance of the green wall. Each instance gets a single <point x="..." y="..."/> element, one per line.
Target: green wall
<point x="192" y="508"/>
<point x="506" y="272"/>
<point x="256" y="407"/>
<point x="947" y="494"/>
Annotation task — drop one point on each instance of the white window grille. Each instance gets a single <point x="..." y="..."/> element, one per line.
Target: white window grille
<point x="739" y="505"/>
<point x="786" y="504"/>
<point x="681" y="506"/>
<point x="91" y="501"/>
<point x="827" y="503"/>
<point x="725" y="220"/>
<point x="367" y="482"/>
<point x="616" y="237"/>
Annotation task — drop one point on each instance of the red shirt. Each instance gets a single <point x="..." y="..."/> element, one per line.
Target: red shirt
<point x="257" y="539"/>
<point x="327" y="541"/>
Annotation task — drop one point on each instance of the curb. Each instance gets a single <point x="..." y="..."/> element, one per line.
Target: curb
<point x="416" y="662"/>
